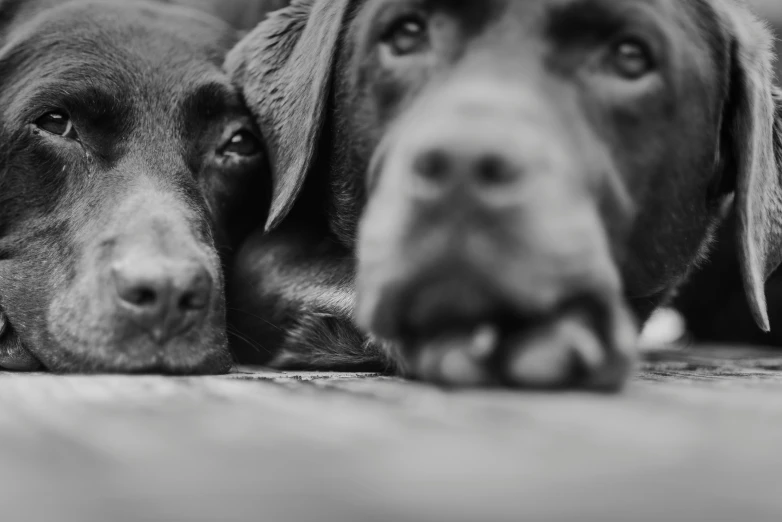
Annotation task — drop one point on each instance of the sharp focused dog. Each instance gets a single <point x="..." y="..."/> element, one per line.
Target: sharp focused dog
<point x="521" y="182"/>
<point x="128" y="163"/>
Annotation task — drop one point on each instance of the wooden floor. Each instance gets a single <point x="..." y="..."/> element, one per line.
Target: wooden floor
<point x="696" y="437"/>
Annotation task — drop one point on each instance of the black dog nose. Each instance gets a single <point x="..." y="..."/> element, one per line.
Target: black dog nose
<point x="444" y="167"/>
<point x="164" y="297"/>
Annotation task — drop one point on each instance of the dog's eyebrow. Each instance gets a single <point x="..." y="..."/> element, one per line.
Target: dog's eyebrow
<point x="594" y="20"/>
<point x="208" y="100"/>
<point x="101" y="106"/>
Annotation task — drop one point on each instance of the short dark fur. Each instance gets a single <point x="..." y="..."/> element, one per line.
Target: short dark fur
<point x="712" y="300"/>
<point x="145" y="184"/>
<point x="312" y="77"/>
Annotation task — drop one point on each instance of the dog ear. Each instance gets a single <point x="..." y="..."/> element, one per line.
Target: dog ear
<point x="754" y="135"/>
<point x="284" y="68"/>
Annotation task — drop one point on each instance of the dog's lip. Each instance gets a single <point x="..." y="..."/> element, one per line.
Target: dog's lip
<point x="429" y="307"/>
<point x="446" y="324"/>
<point x="216" y="360"/>
<point x="483" y="325"/>
<point x="479" y="334"/>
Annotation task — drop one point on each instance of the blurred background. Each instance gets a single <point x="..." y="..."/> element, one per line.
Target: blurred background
<point x="772" y="10"/>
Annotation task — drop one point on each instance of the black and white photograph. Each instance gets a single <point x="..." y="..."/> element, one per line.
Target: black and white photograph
<point x="390" y="260"/>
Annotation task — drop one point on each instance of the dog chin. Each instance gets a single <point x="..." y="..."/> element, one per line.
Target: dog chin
<point x="179" y="357"/>
<point x="104" y="345"/>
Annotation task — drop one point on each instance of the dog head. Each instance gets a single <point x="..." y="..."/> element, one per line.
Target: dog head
<point x="128" y="162"/>
<point x="523" y="166"/>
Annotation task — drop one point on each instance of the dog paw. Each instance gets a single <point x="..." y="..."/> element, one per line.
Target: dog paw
<point x="13" y="355"/>
<point x="564" y="352"/>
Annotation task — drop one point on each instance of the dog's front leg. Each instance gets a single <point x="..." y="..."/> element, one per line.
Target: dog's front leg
<point x="291" y="295"/>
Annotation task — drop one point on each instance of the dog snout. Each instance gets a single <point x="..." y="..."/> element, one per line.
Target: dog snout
<point x="483" y="252"/>
<point x="163" y="297"/>
<point x="450" y="164"/>
<point x="483" y="167"/>
<point x="466" y="151"/>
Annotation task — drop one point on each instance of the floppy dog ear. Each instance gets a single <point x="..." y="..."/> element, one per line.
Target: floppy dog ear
<point x="754" y="116"/>
<point x="284" y="68"/>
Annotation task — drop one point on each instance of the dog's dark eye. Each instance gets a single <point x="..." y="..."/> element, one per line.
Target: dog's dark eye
<point x="408" y="35"/>
<point x="242" y="143"/>
<point x="632" y="59"/>
<point x="57" y="123"/>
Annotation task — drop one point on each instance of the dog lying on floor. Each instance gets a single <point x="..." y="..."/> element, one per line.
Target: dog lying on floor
<point x="128" y="162"/>
<point x="523" y="182"/>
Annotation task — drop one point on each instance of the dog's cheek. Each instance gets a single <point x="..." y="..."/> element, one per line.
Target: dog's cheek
<point x="388" y="92"/>
<point x="80" y="315"/>
<point x="660" y="155"/>
<point x="392" y="92"/>
<point x="237" y="206"/>
<point x="27" y="290"/>
<point x="13" y="354"/>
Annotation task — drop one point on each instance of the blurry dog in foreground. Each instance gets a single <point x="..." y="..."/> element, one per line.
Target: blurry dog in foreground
<point x="504" y="190"/>
<point x="128" y="162"/>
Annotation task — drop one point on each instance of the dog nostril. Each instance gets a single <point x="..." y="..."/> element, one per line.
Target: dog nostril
<point x="195" y="300"/>
<point x="493" y="170"/>
<point x="163" y="297"/>
<point x="433" y="166"/>
<point x="141" y="297"/>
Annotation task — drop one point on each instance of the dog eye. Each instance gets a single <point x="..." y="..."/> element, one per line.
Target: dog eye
<point x="632" y="59"/>
<point x="242" y="143"/>
<point x="407" y="35"/>
<point x="57" y="123"/>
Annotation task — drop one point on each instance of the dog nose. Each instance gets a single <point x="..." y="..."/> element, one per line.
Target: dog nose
<point x="163" y="297"/>
<point x="460" y="164"/>
<point x="447" y="165"/>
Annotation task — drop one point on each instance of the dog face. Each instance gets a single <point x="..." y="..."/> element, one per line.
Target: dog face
<point x="529" y="154"/>
<point x="530" y="174"/>
<point x="128" y="161"/>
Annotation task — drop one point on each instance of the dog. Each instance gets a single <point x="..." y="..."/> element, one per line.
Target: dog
<point x="130" y="171"/>
<point x="503" y="190"/>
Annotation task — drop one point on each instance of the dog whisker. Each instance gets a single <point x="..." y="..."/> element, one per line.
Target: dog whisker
<point x="254" y="344"/>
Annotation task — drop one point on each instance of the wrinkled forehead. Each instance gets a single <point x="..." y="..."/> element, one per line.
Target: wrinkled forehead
<point x="541" y="16"/>
<point x="158" y="32"/>
<point x="111" y="55"/>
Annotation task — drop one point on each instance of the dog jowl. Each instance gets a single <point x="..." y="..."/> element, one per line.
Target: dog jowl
<point x="532" y="178"/>
<point x="128" y="162"/>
